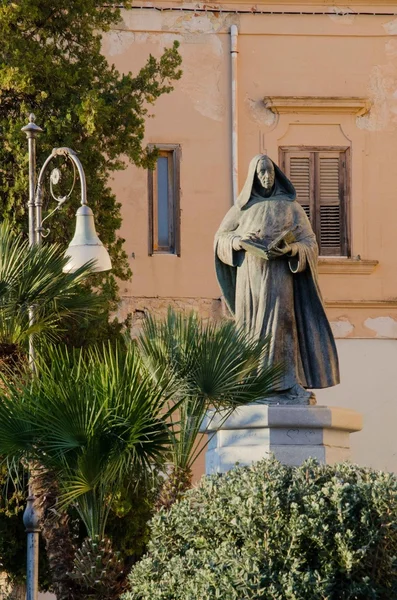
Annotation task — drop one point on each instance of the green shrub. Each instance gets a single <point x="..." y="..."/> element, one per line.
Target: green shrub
<point x="273" y="532"/>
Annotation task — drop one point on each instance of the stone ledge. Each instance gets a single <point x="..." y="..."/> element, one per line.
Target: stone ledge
<point x="348" y="266"/>
<point x="257" y="416"/>
<point x="280" y="436"/>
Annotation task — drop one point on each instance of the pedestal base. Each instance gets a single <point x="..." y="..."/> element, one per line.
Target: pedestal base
<point x="291" y="433"/>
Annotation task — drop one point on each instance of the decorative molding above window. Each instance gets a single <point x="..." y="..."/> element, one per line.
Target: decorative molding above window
<point x="346" y="266"/>
<point x="318" y="104"/>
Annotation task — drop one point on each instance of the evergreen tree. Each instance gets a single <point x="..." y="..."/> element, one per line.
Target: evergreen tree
<point x="51" y="64"/>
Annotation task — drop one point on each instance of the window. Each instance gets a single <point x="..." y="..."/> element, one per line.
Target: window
<point x="164" y="231"/>
<point x="321" y="177"/>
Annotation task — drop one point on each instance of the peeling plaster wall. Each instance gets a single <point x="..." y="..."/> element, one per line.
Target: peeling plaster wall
<point x="259" y="113"/>
<point x="205" y="91"/>
<point x="368" y="375"/>
<point x="342" y="328"/>
<point x="338" y="54"/>
<point x="199" y="46"/>
<point x="384" y="327"/>
<point x="207" y="308"/>
<point x="215" y="308"/>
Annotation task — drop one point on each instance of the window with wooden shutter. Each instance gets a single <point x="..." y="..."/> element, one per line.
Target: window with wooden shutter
<point x="164" y="189"/>
<point x="320" y="177"/>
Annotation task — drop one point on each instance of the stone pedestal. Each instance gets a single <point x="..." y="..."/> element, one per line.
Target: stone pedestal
<point x="291" y="433"/>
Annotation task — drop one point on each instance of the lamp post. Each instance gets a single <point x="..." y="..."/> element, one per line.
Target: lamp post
<point x="84" y="247"/>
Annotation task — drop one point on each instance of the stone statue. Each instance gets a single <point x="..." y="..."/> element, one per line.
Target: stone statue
<point x="266" y="264"/>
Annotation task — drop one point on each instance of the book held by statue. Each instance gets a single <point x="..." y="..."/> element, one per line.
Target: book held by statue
<point x="262" y="250"/>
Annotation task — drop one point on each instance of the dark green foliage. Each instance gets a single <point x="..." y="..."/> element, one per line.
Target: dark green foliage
<point x="127" y="526"/>
<point x="272" y="532"/>
<point x="92" y="420"/>
<point x="218" y="362"/>
<point x="101" y="571"/>
<point x="93" y="426"/>
<point x="12" y="529"/>
<point x="32" y="276"/>
<point x="51" y="64"/>
<point x="12" y="552"/>
<point x="128" y="520"/>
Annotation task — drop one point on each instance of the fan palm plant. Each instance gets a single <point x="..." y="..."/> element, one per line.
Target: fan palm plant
<point x="33" y="277"/>
<point x="93" y="421"/>
<point x="209" y="366"/>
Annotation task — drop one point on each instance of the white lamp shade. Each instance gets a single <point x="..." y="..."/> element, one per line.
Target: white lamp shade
<point x="86" y="245"/>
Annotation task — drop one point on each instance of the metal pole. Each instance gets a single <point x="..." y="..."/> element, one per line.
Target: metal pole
<point x="31" y="130"/>
<point x="30" y="518"/>
<point x="234" y="103"/>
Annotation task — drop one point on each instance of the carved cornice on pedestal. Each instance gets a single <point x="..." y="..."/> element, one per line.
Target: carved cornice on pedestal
<point x="292" y="433"/>
<point x="317" y="104"/>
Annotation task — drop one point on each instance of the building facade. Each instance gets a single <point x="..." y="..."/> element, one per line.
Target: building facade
<point x="314" y="86"/>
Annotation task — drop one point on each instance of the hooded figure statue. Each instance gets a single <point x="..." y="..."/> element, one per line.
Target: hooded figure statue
<point x="266" y="264"/>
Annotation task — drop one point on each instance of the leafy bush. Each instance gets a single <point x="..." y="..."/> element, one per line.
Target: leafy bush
<point x="13" y="534"/>
<point x="273" y="532"/>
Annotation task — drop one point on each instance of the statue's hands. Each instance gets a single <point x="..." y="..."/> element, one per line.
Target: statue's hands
<point x="249" y="237"/>
<point x="253" y="237"/>
<point x="236" y="243"/>
<point x="283" y="249"/>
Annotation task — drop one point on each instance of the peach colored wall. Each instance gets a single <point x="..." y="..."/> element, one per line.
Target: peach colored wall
<point x="288" y="55"/>
<point x="336" y="54"/>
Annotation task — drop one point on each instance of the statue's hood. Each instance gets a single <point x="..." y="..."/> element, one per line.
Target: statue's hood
<point x="283" y="188"/>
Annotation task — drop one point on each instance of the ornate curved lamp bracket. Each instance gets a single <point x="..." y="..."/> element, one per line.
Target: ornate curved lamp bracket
<point x="55" y="178"/>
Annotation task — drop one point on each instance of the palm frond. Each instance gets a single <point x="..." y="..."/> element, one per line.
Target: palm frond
<point x="90" y="417"/>
<point x="16" y="429"/>
<point x="33" y="277"/>
<point x="207" y="365"/>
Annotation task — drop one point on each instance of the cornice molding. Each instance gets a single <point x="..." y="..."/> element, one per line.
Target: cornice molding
<point x="346" y="266"/>
<point x="364" y="304"/>
<point x="317" y="104"/>
<point x="377" y="7"/>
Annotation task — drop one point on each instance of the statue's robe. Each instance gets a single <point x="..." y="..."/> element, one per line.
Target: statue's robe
<point x="278" y="298"/>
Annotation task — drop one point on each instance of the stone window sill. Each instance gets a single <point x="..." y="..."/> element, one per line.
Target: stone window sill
<point x="348" y="266"/>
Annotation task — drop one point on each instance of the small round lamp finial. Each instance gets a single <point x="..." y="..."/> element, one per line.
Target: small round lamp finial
<point x="31" y="129"/>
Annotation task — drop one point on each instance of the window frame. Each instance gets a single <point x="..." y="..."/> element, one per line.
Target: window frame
<point x="344" y="189"/>
<point x="173" y="153"/>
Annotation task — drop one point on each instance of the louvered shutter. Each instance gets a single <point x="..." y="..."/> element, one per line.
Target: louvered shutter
<point x="319" y="178"/>
<point x="299" y="168"/>
<point x="329" y="194"/>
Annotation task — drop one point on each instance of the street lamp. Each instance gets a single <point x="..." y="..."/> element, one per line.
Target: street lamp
<point x="84" y="247"/>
